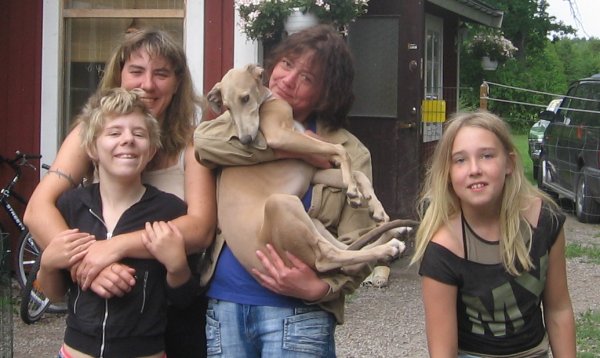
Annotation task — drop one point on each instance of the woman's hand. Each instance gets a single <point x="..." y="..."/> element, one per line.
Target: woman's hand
<point x="115" y="280"/>
<point x="66" y="249"/>
<point x="298" y="281"/>
<point x="97" y="258"/>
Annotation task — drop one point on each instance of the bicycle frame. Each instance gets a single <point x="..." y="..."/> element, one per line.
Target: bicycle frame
<point x="27" y="250"/>
<point x="6" y="193"/>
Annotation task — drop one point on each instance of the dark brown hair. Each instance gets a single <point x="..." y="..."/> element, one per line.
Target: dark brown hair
<point x="335" y="70"/>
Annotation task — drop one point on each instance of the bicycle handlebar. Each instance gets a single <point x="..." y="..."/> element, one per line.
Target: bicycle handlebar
<point x="20" y="160"/>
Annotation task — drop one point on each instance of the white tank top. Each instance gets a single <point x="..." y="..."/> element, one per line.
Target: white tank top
<point x="171" y="180"/>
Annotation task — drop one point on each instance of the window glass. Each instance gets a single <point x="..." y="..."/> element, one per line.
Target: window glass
<point x="567" y="106"/>
<point x="376" y="62"/>
<point x="591" y="92"/>
<point x="92" y="29"/>
<point x="433" y="57"/>
<point x="579" y="105"/>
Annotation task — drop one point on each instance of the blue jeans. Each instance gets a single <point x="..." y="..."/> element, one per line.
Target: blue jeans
<point x="237" y="330"/>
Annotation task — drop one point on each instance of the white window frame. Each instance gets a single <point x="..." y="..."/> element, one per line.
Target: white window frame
<point x="245" y="51"/>
<point x="52" y="57"/>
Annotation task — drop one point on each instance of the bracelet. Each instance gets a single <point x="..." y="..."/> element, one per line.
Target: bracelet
<point x="63" y="175"/>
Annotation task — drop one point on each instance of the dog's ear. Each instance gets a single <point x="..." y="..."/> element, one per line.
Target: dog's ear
<point x="256" y="71"/>
<point x="215" y="100"/>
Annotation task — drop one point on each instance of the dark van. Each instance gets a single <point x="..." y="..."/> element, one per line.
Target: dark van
<point x="570" y="156"/>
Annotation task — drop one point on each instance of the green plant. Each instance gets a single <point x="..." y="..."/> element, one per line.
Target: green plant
<point x="494" y="45"/>
<point x="588" y="334"/>
<point x="264" y="19"/>
<point x="591" y="253"/>
<point x="522" y="145"/>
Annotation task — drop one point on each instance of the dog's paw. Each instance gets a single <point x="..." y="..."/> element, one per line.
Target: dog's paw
<point x="378" y="214"/>
<point x="378" y="278"/>
<point x="352" y="192"/>
<point x="401" y="231"/>
<point x="398" y="247"/>
<point x="355" y="202"/>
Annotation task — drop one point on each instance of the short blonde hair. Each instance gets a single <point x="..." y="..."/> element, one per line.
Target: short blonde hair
<point x="104" y="106"/>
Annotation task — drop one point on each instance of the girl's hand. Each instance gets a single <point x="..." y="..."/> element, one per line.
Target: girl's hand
<point x="298" y="281"/>
<point x="165" y="242"/>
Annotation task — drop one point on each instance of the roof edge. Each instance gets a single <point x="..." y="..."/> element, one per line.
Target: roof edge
<point x="475" y="10"/>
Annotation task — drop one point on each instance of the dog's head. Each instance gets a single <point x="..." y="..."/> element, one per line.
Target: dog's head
<point x="241" y="92"/>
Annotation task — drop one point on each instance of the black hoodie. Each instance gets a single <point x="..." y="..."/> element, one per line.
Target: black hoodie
<point x="132" y="325"/>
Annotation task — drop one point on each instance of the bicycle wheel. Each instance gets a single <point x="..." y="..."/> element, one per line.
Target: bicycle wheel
<point x="28" y="254"/>
<point x="33" y="302"/>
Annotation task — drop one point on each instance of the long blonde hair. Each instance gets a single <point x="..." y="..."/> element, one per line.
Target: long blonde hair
<point x="438" y="201"/>
<point x="179" y="121"/>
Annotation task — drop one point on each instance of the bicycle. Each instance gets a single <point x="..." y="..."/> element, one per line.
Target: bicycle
<point x="28" y="253"/>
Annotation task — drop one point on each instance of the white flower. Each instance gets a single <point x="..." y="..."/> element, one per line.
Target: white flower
<point x="263" y="19"/>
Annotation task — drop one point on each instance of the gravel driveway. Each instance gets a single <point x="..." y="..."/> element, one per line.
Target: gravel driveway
<point x="385" y="322"/>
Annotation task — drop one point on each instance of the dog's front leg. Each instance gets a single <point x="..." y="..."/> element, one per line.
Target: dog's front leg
<point x="277" y="125"/>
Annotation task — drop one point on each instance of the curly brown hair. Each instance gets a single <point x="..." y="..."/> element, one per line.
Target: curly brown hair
<point x="335" y="69"/>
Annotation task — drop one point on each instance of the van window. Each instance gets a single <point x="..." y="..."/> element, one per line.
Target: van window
<point x="566" y="110"/>
<point x="582" y="104"/>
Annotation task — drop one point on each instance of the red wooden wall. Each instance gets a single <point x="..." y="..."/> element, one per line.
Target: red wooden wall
<point x="218" y="41"/>
<point x="20" y="84"/>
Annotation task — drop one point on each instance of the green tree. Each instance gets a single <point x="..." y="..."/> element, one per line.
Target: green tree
<point x="580" y="55"/>
<point x="536" y="66"/>
<point x="527" y="24"/>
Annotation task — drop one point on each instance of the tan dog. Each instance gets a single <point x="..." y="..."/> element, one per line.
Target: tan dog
<point x="260" y="204"/>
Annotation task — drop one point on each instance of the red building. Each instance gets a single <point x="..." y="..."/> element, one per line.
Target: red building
<point x="406" y="59"/>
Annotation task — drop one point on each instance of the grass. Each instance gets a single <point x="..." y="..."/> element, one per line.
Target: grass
<point x="592" y="254"/>
<point x="587" y="323"/>
<point x="522" y="145"/>
<point x="587" y="332"/>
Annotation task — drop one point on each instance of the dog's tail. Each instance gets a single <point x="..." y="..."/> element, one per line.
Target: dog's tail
<point x="378" y="231"/>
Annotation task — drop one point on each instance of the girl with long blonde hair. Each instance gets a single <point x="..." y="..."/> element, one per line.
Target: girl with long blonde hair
<point x="491" y="250"/>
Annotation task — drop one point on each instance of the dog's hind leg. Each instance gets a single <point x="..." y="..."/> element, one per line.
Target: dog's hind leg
<point x="289" y="228"/>
<point x="333" y="178"/>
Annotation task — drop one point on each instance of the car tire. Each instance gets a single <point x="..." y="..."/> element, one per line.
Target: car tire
<point x="587" y="209"/>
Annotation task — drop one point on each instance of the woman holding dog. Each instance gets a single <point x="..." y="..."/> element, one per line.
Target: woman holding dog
<point x="153" y="62"/>
<point x="288" y="311"/>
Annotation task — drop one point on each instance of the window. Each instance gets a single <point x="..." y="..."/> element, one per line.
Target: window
<point x="91" y="29"/>
<point x="433" y="57"/>
<point x="376" y="61"/>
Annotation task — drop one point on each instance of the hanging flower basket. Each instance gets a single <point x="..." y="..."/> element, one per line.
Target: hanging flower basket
<point x="494" y="46"/>
<point x="264" y="19"/>
<point x="298" y="21"/>
<point x="488" y="64"/>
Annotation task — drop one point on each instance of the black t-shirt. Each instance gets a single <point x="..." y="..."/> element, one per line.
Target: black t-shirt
<point x="498" y="313"/>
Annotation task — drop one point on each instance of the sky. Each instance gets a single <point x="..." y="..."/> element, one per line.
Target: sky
<point x="587" y="14"/>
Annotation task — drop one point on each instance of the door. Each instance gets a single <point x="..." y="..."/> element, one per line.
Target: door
<point x="388" y="52"/>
